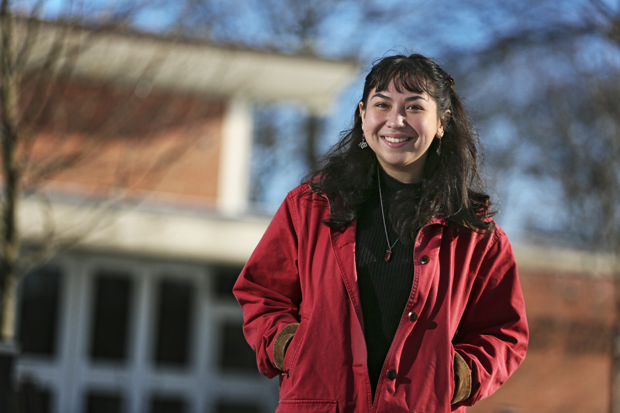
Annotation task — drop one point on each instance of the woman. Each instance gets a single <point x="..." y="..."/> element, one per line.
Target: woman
<point x="383" y="284"/>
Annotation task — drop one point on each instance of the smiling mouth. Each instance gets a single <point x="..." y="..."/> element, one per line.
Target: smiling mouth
<point x="395" y="140"/>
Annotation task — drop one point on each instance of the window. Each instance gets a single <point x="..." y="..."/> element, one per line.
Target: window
<point x="228" y="407"/>
<point x="33" y="398"/>
<point x="224" y="280"/>
<point x="235" y="352"/>
<point x="168" y="405"/>
<point x="174" y="321"/>
<point x="111" y="316"/>
<point x="40" y="293"/>
<point x="102" y="402"/>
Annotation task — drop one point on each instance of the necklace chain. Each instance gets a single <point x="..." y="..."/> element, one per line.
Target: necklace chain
<point x="388" y="253"/>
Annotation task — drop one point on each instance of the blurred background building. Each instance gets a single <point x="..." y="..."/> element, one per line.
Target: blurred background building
<point x="146" y="144"/>
<point x="140" y="316"/>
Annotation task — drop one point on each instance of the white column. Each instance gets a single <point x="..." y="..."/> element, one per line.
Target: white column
<point x="234" y="171"/>
<point x="141" y="343"/>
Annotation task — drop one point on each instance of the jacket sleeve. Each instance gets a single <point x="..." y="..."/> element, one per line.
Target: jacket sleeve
<point x="493" y="333"/>
<point x="269" y="292"/>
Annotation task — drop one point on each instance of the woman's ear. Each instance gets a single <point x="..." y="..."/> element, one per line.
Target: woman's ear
<point x="443" y="121"/>
<point x="362" y="111"/>
<point x="445" y="118"/>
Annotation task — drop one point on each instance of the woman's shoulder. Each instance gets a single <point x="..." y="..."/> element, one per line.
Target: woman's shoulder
<point x="493" y="234"/>
<point x="305" y="193"/>
<point x="302" y="189"/>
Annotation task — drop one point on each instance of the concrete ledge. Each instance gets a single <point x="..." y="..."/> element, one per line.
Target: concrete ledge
<point x="564" y="261"/>
<point x="164" y="234"/>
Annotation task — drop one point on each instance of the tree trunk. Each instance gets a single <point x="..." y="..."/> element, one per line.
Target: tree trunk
<point x="9" y="243"/>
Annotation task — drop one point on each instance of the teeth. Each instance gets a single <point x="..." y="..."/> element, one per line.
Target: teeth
<point x="395" y="140"/>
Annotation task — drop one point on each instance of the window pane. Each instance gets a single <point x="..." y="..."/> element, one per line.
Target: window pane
<point x="174" y="321"/>
<point x="168" y="405"/>
<point x="224" y="280"/>
<point x="235" y="352"/>
<point x="40" y="292"/>
<point x="33" y="398"/>
<point x="228" y="407"/>
<point x="99" y="402"/>
<point x="111" y="316"/>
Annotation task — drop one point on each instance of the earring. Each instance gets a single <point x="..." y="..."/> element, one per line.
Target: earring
<point x="439" y="146"/>
<point x="363" y="144"/>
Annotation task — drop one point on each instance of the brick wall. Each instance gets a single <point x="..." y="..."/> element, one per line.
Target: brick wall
<point x="567" y="366"/>
<point x="154" y="143"/>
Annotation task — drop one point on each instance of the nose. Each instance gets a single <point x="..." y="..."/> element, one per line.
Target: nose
<point x="396" y="118"/>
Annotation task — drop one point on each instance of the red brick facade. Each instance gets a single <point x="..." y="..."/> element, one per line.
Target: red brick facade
<point x="567" y="366"/>
<point x="163" y="144"/>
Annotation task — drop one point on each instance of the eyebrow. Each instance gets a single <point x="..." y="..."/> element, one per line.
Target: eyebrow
<point x="409" y="99"/>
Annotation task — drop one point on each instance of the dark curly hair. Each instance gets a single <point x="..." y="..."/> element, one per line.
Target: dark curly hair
<point x="451" y="185"/>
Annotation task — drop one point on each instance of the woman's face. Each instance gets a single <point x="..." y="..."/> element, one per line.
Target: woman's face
<point x="399" y="127"/>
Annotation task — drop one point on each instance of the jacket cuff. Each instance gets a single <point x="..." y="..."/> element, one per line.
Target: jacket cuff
<point x="280" y="344"/>
<point x="462" y="379"/>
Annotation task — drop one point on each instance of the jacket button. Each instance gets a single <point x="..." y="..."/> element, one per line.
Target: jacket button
<point x="413" y="316"/>
<point x="391" y="374"/>
<point x="425" y="259"/>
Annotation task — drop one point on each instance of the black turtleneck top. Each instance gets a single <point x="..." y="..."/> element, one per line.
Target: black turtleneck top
<point x="384" y="287"/>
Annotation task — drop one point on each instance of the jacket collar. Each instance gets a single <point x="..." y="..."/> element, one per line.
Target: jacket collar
<point x="337" y="204"/>
<point x="437" y="220"/>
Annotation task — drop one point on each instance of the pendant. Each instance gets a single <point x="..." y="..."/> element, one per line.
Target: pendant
<point x="388" y="255"/>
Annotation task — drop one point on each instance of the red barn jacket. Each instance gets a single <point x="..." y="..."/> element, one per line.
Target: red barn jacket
<point x="465" y="298"/>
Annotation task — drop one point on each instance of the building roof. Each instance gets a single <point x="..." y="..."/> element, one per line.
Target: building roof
<point x="199" y="67"/>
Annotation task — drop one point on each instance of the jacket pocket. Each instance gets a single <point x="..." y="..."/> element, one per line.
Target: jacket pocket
<point x="307" y="406"/>
<point x="290" y="357"/>
<point x="451" y="375"/>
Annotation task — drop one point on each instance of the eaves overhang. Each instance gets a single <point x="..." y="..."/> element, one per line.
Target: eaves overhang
<point x="198" y="67"/>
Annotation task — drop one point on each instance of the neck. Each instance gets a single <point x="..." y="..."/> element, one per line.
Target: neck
<point x="411" y="174"/>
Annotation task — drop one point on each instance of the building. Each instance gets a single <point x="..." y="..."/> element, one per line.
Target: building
<point x="569" y="297"/>
<point x="140" y="317"/>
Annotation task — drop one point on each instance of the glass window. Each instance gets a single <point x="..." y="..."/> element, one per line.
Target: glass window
<point x="109" y="340"/>
<point x="235" y="352"/>
<point x="168" y="405"/>
<point x="103" y="402"/>
<point x="224" y="280"/>
<point x="174" y="321"/>
<point x="40" y="292"/>
<point x="31" y="397"/>
<point x="232" y="407"/>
